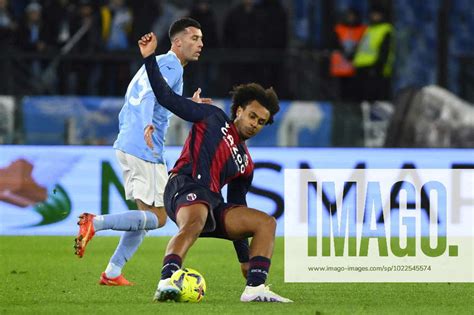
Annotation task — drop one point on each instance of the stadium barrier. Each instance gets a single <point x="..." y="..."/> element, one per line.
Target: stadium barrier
<point x="7" y="119"/>
<point x="93" y="120"/>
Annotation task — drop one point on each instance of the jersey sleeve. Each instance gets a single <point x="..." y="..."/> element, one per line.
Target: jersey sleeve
<point x="171" y="72"/>
<point x="236" y="193"/>
<point x="237" y="190"/>
<point x="178" y="105"/>
<point x="242" y="250"/>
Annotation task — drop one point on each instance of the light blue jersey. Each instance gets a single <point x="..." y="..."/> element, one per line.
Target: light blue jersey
<point x="142" y="109"/>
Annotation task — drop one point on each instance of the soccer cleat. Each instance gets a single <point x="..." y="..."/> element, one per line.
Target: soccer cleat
<point x="261" y="293"/>
<point x="86" y="233"/>
<point x="117" y="281"/>
<point x="166" y="291"/>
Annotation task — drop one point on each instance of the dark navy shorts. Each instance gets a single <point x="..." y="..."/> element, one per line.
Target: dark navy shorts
<point x="182" y="190"/>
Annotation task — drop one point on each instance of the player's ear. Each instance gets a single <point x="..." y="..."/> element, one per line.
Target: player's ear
<point x="239" y="111"/>
<point x="176" y="41"/>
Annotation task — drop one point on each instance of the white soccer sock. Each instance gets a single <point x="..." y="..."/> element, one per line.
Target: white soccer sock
<point x="98" y="222"/>
<point x="113" y="271"/>
<point x="126" y="221"/>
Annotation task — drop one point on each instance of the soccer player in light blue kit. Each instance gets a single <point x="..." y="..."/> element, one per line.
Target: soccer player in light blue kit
<point x="139" y="148"/>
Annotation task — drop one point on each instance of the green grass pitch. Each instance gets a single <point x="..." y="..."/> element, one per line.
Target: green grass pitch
<point x="41" y="275"/>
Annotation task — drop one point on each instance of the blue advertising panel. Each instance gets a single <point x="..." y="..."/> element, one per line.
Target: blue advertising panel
<point x="44" y="188"/>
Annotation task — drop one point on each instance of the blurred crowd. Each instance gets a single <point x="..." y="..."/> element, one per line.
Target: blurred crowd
<point x="345" y="50"/>
<point x="341" y="50"/>
<point x="116" y="24"/>
<point x="362" y="56"/>
<point x="88" y="27"/>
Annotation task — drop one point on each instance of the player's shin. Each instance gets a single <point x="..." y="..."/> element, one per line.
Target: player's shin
<point x="126" y="221"/>
<point x="128" y="245"/>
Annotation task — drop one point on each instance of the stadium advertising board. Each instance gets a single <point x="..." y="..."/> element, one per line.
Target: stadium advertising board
<point x="429" y="215"/>
<point x="93" y="120"/>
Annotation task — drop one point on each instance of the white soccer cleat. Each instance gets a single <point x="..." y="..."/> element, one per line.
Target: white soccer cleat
<point x="166" y="291"/>
<point x="261" y="293"/>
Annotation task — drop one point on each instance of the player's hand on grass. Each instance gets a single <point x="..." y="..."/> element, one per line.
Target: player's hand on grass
<point x="148" y="132"/>
<point x="245" y="269"/>
<point x="147" y="44"/>
<point x="198" y="99"/>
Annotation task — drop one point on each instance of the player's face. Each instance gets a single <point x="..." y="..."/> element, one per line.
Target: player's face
<point x="190" y="43"/>
<point x="251" y="119"/>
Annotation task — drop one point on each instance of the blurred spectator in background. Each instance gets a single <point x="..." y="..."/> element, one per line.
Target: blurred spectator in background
<point x="241" y="31"/>
<point x="144" y="14"/>
<point x="374" y="58"/>
<point x="116" y="25"/>
<point x="162" y="22"/>
<point x="241" y="27"/>
<point x="83" y="75"/>
<point x="7" y="25"/>
<point x="60" y="15"/>
<point x="199" y="75"/>
<point x="347" y="34"/>
<point x="201" y="11"/>
<point x="272" y="31"/>
<point x="116" y="29"/>
<point x="33" y="36"/>
<point x="18" y="8"/>
<point x="32" y="33"/>
<point x="272" y="34"/>
<point x="87" y="19"/>
<point x="7" y="30"/>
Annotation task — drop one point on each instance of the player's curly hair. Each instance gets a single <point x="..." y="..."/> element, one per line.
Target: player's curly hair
<point x="244" y="94"/>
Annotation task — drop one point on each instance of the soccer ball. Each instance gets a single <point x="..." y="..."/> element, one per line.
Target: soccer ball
<point x="191" y="285"/>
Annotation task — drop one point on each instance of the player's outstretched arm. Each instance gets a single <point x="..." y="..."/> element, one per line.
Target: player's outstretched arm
<point x="178" y="105"/>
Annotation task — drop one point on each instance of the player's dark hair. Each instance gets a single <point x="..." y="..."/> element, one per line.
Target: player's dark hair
<point x="181" y="24"/>
<point x="244" y="94"/>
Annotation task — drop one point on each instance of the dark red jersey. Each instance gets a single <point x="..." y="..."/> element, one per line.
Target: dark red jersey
<point x="213" y="154"/>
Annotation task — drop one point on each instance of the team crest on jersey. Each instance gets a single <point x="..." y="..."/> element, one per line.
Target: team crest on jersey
<point x="191" y="197"/>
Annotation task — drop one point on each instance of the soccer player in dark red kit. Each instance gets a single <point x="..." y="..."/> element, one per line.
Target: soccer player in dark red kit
<point x="215" y="154"/>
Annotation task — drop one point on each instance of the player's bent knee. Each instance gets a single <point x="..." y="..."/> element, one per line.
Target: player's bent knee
<point x="162" y="219"/>
<point x="269" y="223"/>
<point x="272" y="222"/>
<point x="160" y="213"/>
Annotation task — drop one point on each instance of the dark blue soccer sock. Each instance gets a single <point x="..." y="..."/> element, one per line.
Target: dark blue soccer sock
<point x="171" y="263"/>
<point x="258" y="271"/>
